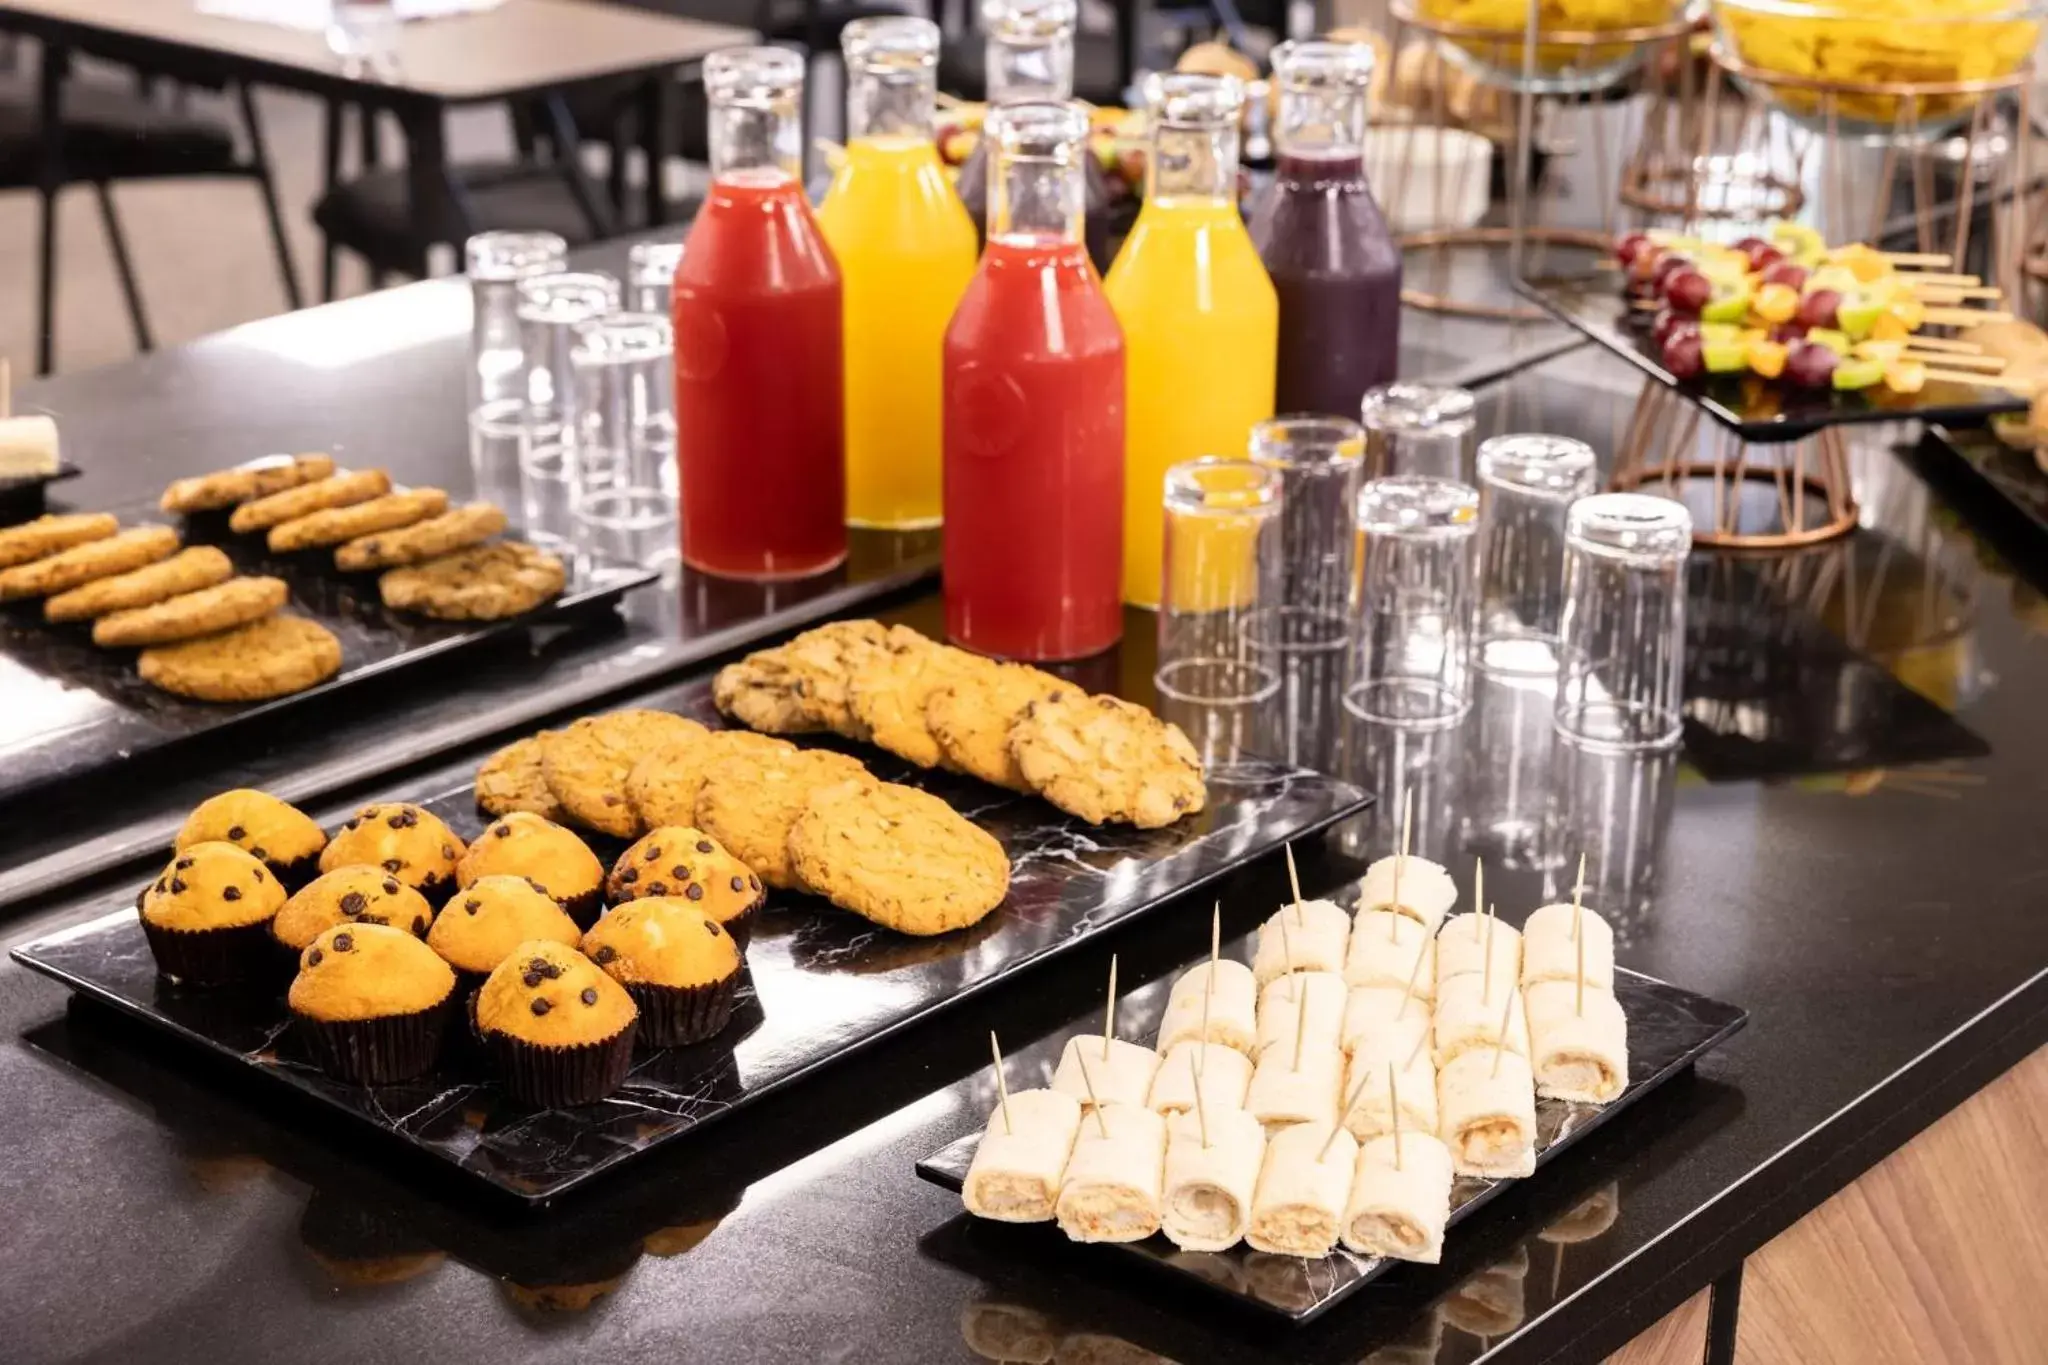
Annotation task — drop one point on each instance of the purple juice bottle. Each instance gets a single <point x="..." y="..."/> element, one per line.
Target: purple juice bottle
<point x="1323" y="238"/>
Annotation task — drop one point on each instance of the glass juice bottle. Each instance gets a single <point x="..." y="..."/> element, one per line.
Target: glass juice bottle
<point x="906" y="249"/>
<point x="760" y="412"/>
<point x="1034" y="403"/>
<point x="1201" y="322"/>
<point x="1028" y="54"/>
<point x="1323" y="238"/>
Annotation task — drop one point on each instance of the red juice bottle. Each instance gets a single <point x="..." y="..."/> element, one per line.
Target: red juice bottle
<point x="760" y="412"/>
<point x="1323" y="238"/>
<point x="1034" y="412"/>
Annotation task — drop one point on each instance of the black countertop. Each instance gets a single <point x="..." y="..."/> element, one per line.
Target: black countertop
<point x="1880" y="925"/>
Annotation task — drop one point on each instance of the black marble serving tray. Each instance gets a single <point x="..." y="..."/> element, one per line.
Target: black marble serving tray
<point x="821" y="983"/>
<point x="75" y="709"/>
<point x="22" y="496"/>
<point x="1756" y="410"/>
<point x="1668" y="1030"/>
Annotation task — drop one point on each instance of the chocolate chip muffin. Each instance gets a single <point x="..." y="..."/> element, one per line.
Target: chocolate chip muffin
<point x="526" y="845"/>
<point x="207" y="916"/>
<point x="370" y="1003"/>
<point x="685" y="862"/>
<point x="680" y="967"/>
<point x="283" y="837"/>
<point x="490" y="917"/>
<point x="559" y="1031"/>
<point x="350" y="895"/>
<point x="411" y="844"/>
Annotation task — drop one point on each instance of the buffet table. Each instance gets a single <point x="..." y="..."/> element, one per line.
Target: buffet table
<point x="1878" y="924"/>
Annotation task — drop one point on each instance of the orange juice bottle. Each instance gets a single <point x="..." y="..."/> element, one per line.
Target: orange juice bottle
<point x="906" y="249"/>
<point x="1200" y="318"/>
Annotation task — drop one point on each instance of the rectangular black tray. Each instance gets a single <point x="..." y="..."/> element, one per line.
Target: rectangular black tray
<point x="1756" y="410"/>
<point x="822" y="983"/>
<point x="1668" y="1030"/>
<point x="74" y="707"/>
<point x="21" y="496"/>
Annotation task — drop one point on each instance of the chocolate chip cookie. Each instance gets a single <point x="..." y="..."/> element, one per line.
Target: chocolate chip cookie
<point x="586" y="763"/>
<point x="339" y="490"/>
<point x="483" y="583"/>
<point x="189" y="570"/>
<point x="898" y="856"/>
<point x="1105" y="759"/>
<point x="800" y="686"/>
<point x="665" y="783"/>
<point x="273" y="657"/>
<point x="338" y="524"/>
<point x="47" y="535"/>
<point x="244" y="483"/>
<point x="971" y="715"/>
<point x="887" y="694"/>
<point x="81" y="564"/>
<point x="471" y="524"/>
<point x="511" y="780"/>
<point x="750" y="802"/>
<point x="190" y="615"/>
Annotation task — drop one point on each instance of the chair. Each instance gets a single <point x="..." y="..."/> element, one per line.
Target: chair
<point x="106" y="134"/>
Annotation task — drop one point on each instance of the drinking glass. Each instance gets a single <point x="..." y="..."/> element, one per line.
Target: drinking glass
<point x="651" y="276"/>
<point x="550" y="308"/>
<point x="623" y="496"/>
<point x="1417" y="429"/>
<point x="1319" y="461"/>
<point x="1615" y="810"/>
<point x="1622" y="647"/>
<point x="1526" y="483"/>
<point x="496" y="262"/>
<point x="1411" y="645"/>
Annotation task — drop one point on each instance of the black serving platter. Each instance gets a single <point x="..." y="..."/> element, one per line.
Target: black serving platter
<point x="21" y="497"/>
<point x="821" y="983"/>
<point x="74" y="708"/>
<point x="1757" y="410"/>
<point x="1668" y="1030"/>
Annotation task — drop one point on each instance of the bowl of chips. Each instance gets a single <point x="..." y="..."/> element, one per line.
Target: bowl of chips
<point x="1581" y="45"/>
<point x="1878" y="68"/>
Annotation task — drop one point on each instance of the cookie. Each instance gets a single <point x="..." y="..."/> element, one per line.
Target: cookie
<point x="337" y="524"/>
<point x="898" y="856"/>
<point x="245" y="482"/>
<point x="47" y="535"/>
<point x="273" y="657"/>
<point x="81" y="564"/>
<point x="665" y="783"/>
<point x="471" y="524"/>
<point x="511" y="780"/>
<point x="800" y="686"/>
<point x="339" y="490"/>
<point x="888" y="692"/>
<point x="1105" y="759"/>
<point x="585" y="764"/>
<point x="190" y="615"/>
<point x="484" y="583"/>
<point x="970" y="717"/>
<point x="750" y="802"/>
<point x="189" y="570"/>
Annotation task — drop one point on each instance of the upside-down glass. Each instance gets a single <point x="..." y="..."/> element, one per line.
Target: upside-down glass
<point x="1417" y="429"/>
<point x="1622" y="650"/>
<point x="651" y="277"/>
<point x="1412" y="642"/>
<point x="496" y="262"/>
<point x="623" y="490"/>
<point x="550" y="309"/>
<point x="1319" y="461"/>
<point x="1526" y="483"/>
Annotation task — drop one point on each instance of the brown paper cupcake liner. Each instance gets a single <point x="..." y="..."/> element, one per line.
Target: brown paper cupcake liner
<point x="213" y="957"/>
<point x="671" y="1016"/>
<point x="396" y="1047"/>
<point x="294" y="875"/>
<point x="741" y="926"/>
<point x="556" y="1077"/>
<point x="584" y="909"/>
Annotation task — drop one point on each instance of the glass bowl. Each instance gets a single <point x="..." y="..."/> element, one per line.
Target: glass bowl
<point x="1583" y="45"/>
<point x="1889" y="68"/>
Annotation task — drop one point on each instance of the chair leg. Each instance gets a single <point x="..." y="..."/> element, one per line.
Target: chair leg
<point x="46" y="280"/>
<point x="266" y="185"/>
<point x="562" y="126"/>
<point x="331" y="131"/>
<point x="117" y="242"/>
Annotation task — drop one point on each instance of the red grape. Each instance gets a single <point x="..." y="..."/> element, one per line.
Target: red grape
<point x="1749" y="244"/>
<point x="1810" y="366"/>
<point x="1785" y="272"/>
<point x="1762" y="255"/>
<point x="1788" y="332"/>
<point x="1670" y="324"/>
<point x="1818" y="308"/>
<point x="1626" y="250"/>
<point x="1668" y="264"/>
<point x="1687" y="290"/>
<point x="1683" y="355"/>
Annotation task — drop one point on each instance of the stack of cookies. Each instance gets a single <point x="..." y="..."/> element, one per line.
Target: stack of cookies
<point x="434" y="559"/>
<point x="1100" y="758"/>
<point x="204" y="631"/>
<point x="799" y="819"/>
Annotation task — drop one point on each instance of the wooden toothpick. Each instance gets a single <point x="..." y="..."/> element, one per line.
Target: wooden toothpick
<point x="1579" y="1008"/>
<point x="1202" y="1043"/>
<point x="1486" y="966"/>
<point x="1286" y="949"/>
<point x="1479" y="886"/>
<point x="1350" y="1102"/>
<point x="1201" y="1110"/>
<point x="1109" y="1010"/>
<point x="1401" y="862"/>
<point x="1215" y="935"/>
<point x="1002" y="1086"/>
<point x="1293" y="881"/>
<point x="1300" y="1021"/>
<point x="1415" y="973"/>
<point x="1579" y="896"/>
<point x="1500" y="1042"/>
<point x="1394" y="1109"/>
<point x="1089" y="1083"/>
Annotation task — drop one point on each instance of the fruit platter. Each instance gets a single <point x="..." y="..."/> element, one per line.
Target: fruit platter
<point x="1778" y="334"/>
